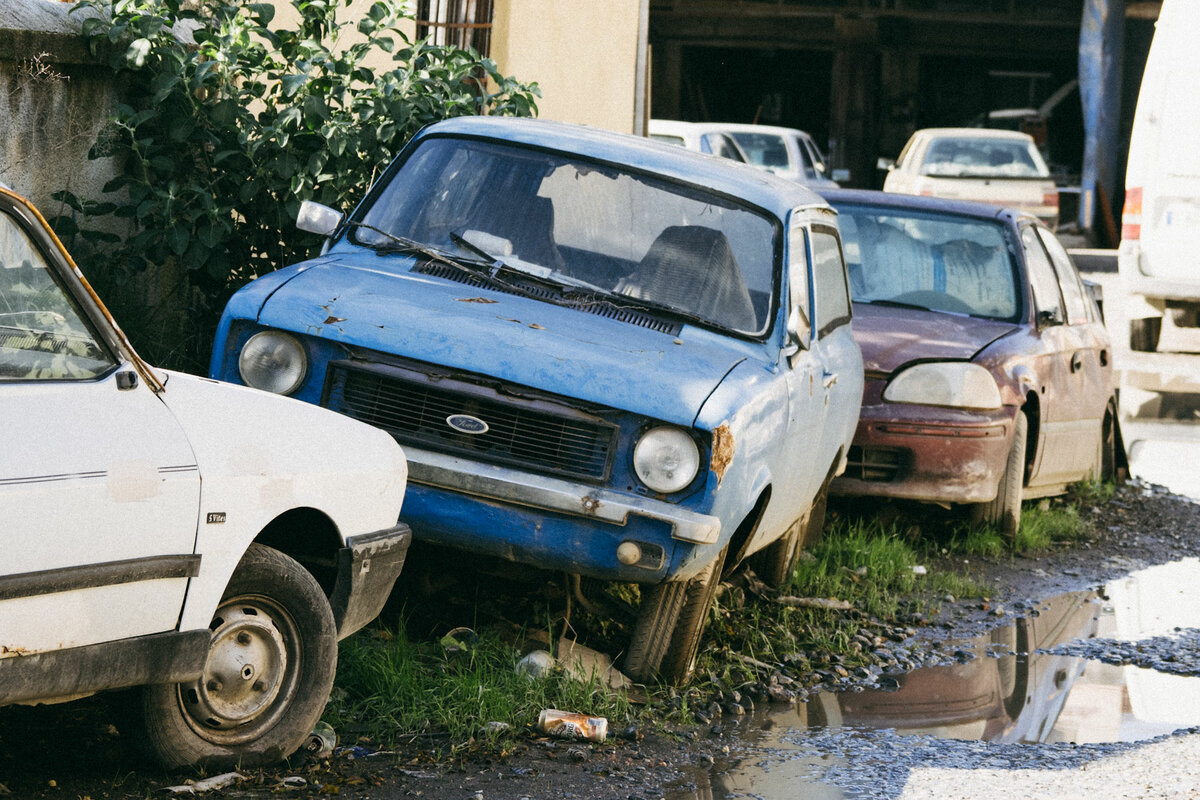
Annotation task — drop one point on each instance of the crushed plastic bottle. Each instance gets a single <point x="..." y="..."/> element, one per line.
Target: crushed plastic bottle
<point x="570" y="725"/>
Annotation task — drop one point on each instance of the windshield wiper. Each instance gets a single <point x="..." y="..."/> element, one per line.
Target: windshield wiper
<point x="897" y="304"/>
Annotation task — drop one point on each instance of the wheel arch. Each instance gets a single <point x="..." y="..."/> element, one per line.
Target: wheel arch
<point x="309" y="536"/>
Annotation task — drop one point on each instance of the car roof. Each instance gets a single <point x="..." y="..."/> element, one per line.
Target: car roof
<point x="964" y="208"/>
<point x="973" y="133"/>
<point x="756" y="186"/>
<point x="749" y="127"/>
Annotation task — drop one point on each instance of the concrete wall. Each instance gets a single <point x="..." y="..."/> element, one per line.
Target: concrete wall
<point x="583" y="54"/>
<point x="54" y="100"/>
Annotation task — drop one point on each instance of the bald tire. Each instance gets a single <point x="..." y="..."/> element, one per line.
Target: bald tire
<point x="1004" y="512"/>
<point x="657" y="617"/>
<point x="679" y="661"/>
<point x="775" y="563"/>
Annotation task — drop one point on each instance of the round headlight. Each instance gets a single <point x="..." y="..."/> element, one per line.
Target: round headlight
<point x="274" y="362"/>
<point x="666" y="459"/>
<point x="955" y="384"/>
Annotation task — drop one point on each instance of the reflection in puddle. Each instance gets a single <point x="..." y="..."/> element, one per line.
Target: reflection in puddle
<point x="1029" y="709"/>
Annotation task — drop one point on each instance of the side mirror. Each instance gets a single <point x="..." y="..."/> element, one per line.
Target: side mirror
<point x="799" y="332"/>
<point x="319" y="219"/>
<point x="886" y="163"/>
<point x="1046" y="318"/>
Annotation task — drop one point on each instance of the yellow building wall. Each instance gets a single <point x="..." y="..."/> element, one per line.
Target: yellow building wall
<point x="582" y="53"/>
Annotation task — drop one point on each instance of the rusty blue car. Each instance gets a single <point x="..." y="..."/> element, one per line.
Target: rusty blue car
<point x="604" y="356"/>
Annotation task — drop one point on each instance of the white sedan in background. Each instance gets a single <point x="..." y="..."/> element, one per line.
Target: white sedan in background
<point x="999" y="167"/>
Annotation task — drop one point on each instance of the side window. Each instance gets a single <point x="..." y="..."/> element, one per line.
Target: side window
<point x="798" y="289"/>
<point x="1078" y="302"/>
<point x="1046" y="297"/>
<point x="43" y="335"/>
<point x="829" y="280"/>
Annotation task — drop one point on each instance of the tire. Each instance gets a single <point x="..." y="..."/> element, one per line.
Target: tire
<point x="657" y="617"/>
<point x="775" y="563"/>
<point x="679" y="661"/>
<point x="1144" y="334"/>
<point x="270" y="667"/>
<point x="1105" y="469"/>
<point x="1004" y="512"/>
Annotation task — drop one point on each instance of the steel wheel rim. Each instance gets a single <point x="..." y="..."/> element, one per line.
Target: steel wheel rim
<point x="250" y="673"/>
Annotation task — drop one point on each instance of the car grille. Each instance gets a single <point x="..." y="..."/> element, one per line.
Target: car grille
<point x="878" y="464"/>
<point x="533" y="434"/>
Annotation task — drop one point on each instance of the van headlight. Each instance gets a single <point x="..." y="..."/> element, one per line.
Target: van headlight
<point x="274" y="362"/>
<point x="666" y="459"/>
<point x="954" y="384"/>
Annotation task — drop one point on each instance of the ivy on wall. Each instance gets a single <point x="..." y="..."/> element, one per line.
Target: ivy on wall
<point x="229" y="122"/>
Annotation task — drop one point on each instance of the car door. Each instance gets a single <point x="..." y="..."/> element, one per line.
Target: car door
<point x="1091" y="363"/>
<point x="834" y="347"/>
<point x="98" y="483"/>
<point x="1068" y="424"/>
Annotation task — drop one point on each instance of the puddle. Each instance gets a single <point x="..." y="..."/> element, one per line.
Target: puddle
<point x="1033" y="695"/>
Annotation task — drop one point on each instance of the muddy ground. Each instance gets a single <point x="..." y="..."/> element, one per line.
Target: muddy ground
<point x="76" y="751"/>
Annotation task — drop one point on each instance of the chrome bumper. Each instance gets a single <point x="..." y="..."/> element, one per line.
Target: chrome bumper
<point x="554" y="494"/>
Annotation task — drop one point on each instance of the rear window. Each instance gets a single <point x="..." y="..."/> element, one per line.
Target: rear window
<point x="970" y="157"/>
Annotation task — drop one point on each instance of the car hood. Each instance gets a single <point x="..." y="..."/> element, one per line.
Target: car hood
<point x="365" y="301"/>
<point x="893" y="337"/>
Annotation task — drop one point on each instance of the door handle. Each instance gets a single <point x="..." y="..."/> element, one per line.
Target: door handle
<point x="1076" y="362"/>
<point x="829" y="380"/>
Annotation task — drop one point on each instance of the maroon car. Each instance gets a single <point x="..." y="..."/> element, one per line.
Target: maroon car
<point x="988" y="368"/>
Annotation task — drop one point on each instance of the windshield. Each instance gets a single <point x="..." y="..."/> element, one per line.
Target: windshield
<point x="936" y="261"/>
<point x="978" y="157"/>
<point x="622" y="234"/>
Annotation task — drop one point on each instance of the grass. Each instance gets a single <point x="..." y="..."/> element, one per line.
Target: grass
<point x="393" y="689"/>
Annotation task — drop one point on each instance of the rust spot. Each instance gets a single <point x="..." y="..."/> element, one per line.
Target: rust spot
<point x="536" y="327"/>
<point x="332" y="319"/>
<point x="722" y="450"/>
<point x="474" y="300"/>
<point x="590" y="505"/>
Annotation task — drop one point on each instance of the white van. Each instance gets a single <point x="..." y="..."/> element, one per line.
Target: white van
<point x="1159" y="257"/>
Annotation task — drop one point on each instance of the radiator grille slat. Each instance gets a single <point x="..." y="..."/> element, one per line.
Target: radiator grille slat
<point x="414" y="411"/>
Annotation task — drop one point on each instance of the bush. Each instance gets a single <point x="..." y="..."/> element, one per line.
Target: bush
<point x="229" y="124"/>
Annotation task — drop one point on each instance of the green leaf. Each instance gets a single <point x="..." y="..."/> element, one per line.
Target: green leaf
<point x="292" y="83"/>
<point x="177" y="239"/>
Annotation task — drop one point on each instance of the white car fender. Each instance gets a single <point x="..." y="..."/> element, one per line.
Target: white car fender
<point x="260" y="455"/>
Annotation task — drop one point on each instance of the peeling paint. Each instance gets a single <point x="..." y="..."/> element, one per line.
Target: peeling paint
<point x="332" y="319"/>
<point x="722" y="450"/>
<point x="474" y="300"/>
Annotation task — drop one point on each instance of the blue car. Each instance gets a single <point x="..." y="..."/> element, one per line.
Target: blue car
<point x="604" y="356"/>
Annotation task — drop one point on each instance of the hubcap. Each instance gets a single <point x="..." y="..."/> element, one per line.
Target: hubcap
<point x="246" y="669"/>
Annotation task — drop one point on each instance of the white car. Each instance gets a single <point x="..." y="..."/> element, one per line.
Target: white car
<point x="787" y="152"/>
<point x="999" y="167"/>
<point x="209" y="543"/>
<point x="703" y="137"/>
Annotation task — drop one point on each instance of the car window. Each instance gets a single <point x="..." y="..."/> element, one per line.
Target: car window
<point x="798" y="278"/>
<point x="569" y="220"/>
<point x="762" y="149"/>
<point x="901" y="159"/>
<point x="719" y="144"/>
<point x="972" y="156"/>
<point x="1047" y="298"/>
<point x="43" y="335"/>
<point x="806" y="164"/>
<point x="829" y="279"/>
<point x="933" y="260"/>
<point x="1077" y="301"/>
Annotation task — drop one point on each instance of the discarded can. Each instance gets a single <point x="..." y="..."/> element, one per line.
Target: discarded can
<point x="569" y="725"/>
